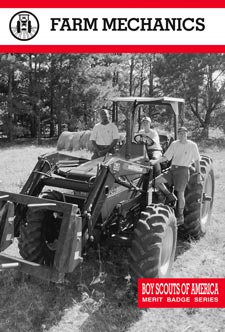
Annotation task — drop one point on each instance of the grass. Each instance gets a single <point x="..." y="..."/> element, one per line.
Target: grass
<point x="89" y="302"/>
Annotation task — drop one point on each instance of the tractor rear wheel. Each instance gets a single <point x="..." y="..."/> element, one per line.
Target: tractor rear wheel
<point x="199" y="201"/>
<point x="39" y="234"/>
<point x="154" y="243"/>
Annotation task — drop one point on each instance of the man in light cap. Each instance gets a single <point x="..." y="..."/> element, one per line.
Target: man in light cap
<point x="155" y="150"/>
<point x="182" y="153"/>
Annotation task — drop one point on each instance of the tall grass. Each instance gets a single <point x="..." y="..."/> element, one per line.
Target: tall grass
<point x="30" y="305"/>
<point x="17" y="163"/>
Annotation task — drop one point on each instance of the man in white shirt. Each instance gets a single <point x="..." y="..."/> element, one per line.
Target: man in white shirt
<point x="155" y="150"/>
<point x="182" y="153"/>
<point x="104" y="136"/>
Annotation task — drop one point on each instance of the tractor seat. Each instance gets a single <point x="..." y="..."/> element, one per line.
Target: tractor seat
<point x="165" y="141"/>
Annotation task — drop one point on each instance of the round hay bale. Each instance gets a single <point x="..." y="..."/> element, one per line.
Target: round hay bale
<point x="75" y="141"/>
<point x="64" y="139"/>
<point x="68" y="141"/>
<point x="89" y="146"/>
<point x="85" y="139"/>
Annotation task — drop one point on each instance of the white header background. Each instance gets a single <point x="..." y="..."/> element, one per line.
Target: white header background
<point x="214" y="20"/>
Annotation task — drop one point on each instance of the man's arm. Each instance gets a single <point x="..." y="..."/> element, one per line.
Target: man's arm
<point x="113" y="144"/>
<point x="197" y="162"/>
<point x="95" y="147"/>
<point x="158" y="161"/>
<point x="93" y="138"/>
<point x="166" y="157"/>
<point x="108" y="149"/>
<point x="197" y="168"/>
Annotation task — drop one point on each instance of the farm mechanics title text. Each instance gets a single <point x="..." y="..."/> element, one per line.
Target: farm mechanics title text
<point x="127" y="24"/>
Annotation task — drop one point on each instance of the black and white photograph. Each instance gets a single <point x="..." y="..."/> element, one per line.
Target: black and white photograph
<point x="111" y="170"/>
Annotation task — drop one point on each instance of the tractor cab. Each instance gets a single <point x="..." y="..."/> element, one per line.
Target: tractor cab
<point x="165" y="113"/>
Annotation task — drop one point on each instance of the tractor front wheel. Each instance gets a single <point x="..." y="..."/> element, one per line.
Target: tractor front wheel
<point x="154" y="243"/>
<point x="39" y="234"/>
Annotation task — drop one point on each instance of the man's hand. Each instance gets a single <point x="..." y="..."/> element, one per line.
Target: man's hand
<point x="192" y="169"/>
<point x="158" y="161"/>
<point x="199" y="178"/>
<point x="152" y="162"/>
<point x="102" y="153"/>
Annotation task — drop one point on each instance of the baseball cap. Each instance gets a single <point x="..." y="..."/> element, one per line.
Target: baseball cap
<point x="182" y="129"/>
<point x="146" y="118"/>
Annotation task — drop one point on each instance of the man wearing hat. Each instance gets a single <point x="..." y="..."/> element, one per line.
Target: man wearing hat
<point x="154" y="151"/>
<point x="182" y="153"/>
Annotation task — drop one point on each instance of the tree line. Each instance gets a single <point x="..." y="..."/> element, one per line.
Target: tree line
<point x="43" y="94"/>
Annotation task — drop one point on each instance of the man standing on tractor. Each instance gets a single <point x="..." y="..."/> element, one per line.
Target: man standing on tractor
<point x="182" y="153"/>
<point x="104" y="136"/>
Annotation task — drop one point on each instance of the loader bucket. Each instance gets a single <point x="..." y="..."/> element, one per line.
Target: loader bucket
<point x="6" y="225"/>
<point x="69" y="246"/>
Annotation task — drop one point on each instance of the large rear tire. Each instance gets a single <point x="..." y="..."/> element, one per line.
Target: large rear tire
<point x="199" y="201"/>
<point x="154" y="243"/>
<point x="39" y="234"/>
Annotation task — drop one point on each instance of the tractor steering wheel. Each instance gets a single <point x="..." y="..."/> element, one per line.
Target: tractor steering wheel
<point x="143" y="139"/>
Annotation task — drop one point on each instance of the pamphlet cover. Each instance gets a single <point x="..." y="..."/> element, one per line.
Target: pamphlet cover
<point x="112" y="129"/>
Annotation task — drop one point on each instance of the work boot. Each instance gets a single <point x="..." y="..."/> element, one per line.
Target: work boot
<point x="180" y="217"/>
<point x="171" y="199"/>
<point x="158" y="197"/>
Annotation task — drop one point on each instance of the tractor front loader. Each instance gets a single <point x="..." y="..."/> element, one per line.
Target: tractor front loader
<point x="70" y="203"/>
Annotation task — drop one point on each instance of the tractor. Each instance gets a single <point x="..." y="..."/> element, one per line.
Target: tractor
<point x="69" y="203"/>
